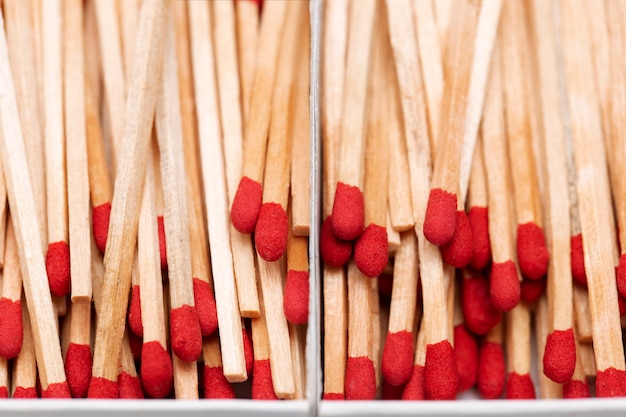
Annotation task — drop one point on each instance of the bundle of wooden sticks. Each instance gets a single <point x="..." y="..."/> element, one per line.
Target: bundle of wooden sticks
<point x="128" y="130"/>
<point x="474" y="155"/>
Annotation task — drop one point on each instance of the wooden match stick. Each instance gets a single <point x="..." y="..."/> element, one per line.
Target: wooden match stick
<point x="78" y="359"/>
<point x="126" y="202"/>
<point x="298" y="359"/>
<point x="443" y="10"/>
<point x="547" y="387"/>
<point x="491" y="367"/>
<point x="577" y="386"/>
<point x="247" y="15"/>
<point x="582" y="314"/>
<point x="296" y="292"/>
<point x="478" y="210"/>
<point x="24" y="372"/>
<point x="262" y="375"/>
<point x="377" y="333"/>
<point x="393" y="236"/>
<point x="215" y="193"/>
<point x="414" y="388"/>
<point x="215" y="384"/>
<point x="11" y="328"/>
<point x="519" y="384"/>
<point x="128" y="15"/>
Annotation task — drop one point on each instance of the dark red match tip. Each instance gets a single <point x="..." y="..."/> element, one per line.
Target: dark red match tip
<point x="611" y="382"/>
<point x="360" y="381"/>
<point x="333" y="396"/>
<point x="4" y="392"/>
<point x="135" y="342"/>
<point x="348" y="216"/>
<point x="621" y="303"/>
<point x="480" y="314"/>
<point x="130" y="386"/>
<point x="246" y="204"/>
<point x="491" y="370"/>
<point x="205" y="306"/>
<point x="334" y="251"/>
<point x="385" y="285"/>
<point x="621" y="275"/>
<point x="156" y="370"/>
<point x="262" y="386"/>
<point x="248" y="351"/>
<point x="270" y="234"/>
<point x="414" y="388"/>
<point x="58" y="268"/>
<point x="519" y="387"/>
<point x="57" y="390"/>
<point x="186" y="336"/>
<point x="559" y="358"/>
<point x="100" y="387"/>
<point x="576" y="389"/>
<point x="371" y="250"/>
<point x="11" y="334"/>
<point x="578" y="260"/>
<point x="440" y="218"/>
<point x="466" y="357"/>
<point x="479" y="222"/>
<point x="296" y="299"/>
<point x="440" y="377"/>
<point x="531" y="290"/>
<point x="100" y="217"/>
<point x="162" y="242"/>
<point x="459" y="251"/>
<point x="504" y="288"/>
<point x="397" y="362"/>
<point x="532" y="252"/>
<point x="391" y="392"/>
<point x="78" y="369"/>
<point x="23" y="393"/>
<point x="134" y="311"/>
<point x="216" y="386"/>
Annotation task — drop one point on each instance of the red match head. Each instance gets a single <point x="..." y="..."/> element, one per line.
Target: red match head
<point x="156" y="370"/>
<point x="162" y="242"/>
<point x="216" y="386"/>
<point x="440" y="218"/>
<point x="205" y="306"/>
<point x="262" y="387"/>
<point x="466" y="357"/>
<point x="135" y="343"/>
<point x="479" y="222"/>
<point x="391" y="392"/>
<point x="611" y="382"/>
<point x="440" y="377"/>
<point x="78" y="369"/>
<point x="246" y="204"/>
<point x="459" y="251"/>
<point x="504" y="288"/>
<point x="531" y="290"/>
<point x="333" y="396"/>
<point x="58" y="268"/>
<point x="578" y="260"/>
<point x="519" y="387"/>
<point x="270" y="234"/>
<point x="397" y="362"/>
<point x="101" y="215"/>
<point x="296" y="298"/>
<point x="371" y="250"/>
<point x="532" y="252"/>
<point x="11" y="334"/>
<point x="4" y="393"/>
<point x="559" y="358"/>
<point x="480" y="314"/>
<point x="348" y="216"/>
<point x="491" y="370"/>
<point x="248" y="351"/>
<point x="334" y="251"/>
<point x="130" y="386"/>
<point x="23" y="393"/>
<point x="360" y="381"/>
<point x="621" y="275"/>
<point x="186" y="336"/>
<point x="100" y="387"/>
<point x="414" y="388"/>
<point x="56" y="390"/>
<point x="134" y="311"/>
<point x="576" y="389"/>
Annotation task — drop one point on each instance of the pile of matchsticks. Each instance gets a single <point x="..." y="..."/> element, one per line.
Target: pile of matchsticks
<point x="128" y="129"/>
<point x="473" y="162"/>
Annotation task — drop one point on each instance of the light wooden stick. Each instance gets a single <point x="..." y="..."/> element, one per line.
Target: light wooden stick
<point x="215" y="193"/>
<point x="335" y="334"/>
<point x="128" y="15"/>
<point x="261" y="346"/>
<point x="296" y="340"/>
<point x="519" y="385"/>
<point x="582" y="313"/>
<point x="24" y="372"/>
<point x="247" y="15"/>
<point x="443" y="10"/>
<point x="377" y="342"/>
<point x="393" y="236"/>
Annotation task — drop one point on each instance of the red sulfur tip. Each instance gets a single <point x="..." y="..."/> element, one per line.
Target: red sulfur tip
<point x="134" y="312"/>
<point x="621" y="275"/>
<point x="130" y="386"/>
<point x="101" y="215"/>
<point x="559" y="358"/>
<point x="156" y="370"/>
<point x="348" y="218"/>
<point x="333" y="396"/>
<point x="505" y="288"/>
<point x="11" y="334"/>
<point x="371" y="250"/>
<point x="270" y="234"/>
<point x="397" y="362"/>
<point x="162" y="242"/>
<point x="459" y="251"/>
<point x="621" y="302"/>
<point x="334" y="251"/>
<point x="576" y="389"/>
<point x="532" y="252"/>
<point x="519" y="387"/>
<point x="248" y="352"/>
<point x="578" y="260"/>
<point x="611" y="383"/>
<point x="4" y="392"/>
<point x="466" y="357"/>
<point x="78" y="369"/>
<point x="440" y="377"/>
<point x="296" y="299"/>
<point x="205" y="306"/>
<point x="360" y="381"/>
<point x="391" y="392"/>
<point x="414" y="388"/>
<point x="440" y="220"/>
<point x="58" y="268"/>
<point x="215" y="384"/>
<point x="262" y="387"/>
<point x="135" y="343"/>
<point x="23" y="393"/>
<point x="480" y="314"/>
<point x="479" y="222"/>
<point x="491" y="370"/>
<point x="100" y="387"/>
<point x="56" y="390"/>
<point x="186" y="336"/>
<point x="532" y="290"/>
<point x="246" y="204"/>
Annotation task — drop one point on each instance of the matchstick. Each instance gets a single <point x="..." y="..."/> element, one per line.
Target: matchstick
<point x="78" y="359"/>
<point x="519" y="384"/>
<point x="24" y="370"/>
<point x="478" y="211"/>
<point x="128" y="15"/>
<point x="11" y="327"/>
<point x="377" y="334"/>
<point x="393" y="236"/>
<point x="296" y="292"/>
<point x="414" y="388"/>
<point x="577" y="386"/>
<point x="262" y="378"/>
<point x="443" y="9"/>
<point x="547" y="387"/>
<point x="247" y="15"/>
<point x="582" y="314"/>
<point x="215" y="384"/>
<point x="298" y="359"/>
<point x="491" y="365"/>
